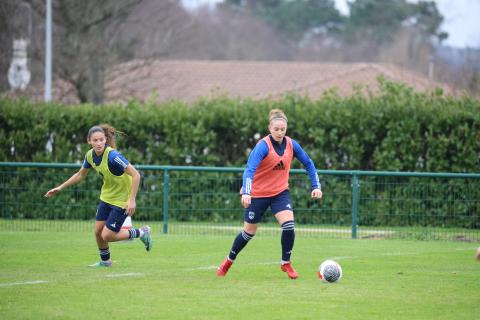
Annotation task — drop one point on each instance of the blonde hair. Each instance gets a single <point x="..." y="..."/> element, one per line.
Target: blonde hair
<point x="109" y="132"/>
<point x="277" y="114"/>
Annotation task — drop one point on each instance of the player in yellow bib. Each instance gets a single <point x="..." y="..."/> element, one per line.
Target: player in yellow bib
<point x="118" y="193"/>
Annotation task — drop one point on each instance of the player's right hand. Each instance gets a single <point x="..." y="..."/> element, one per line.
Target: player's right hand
<point x="246" y="200"/>
<point x="52" y="192"/>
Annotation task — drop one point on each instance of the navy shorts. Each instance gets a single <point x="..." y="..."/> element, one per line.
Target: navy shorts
<point x="113" y="215"/>
<point x="258" y="206"/>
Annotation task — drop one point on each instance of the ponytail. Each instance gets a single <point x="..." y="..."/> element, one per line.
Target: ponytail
<point x="109" y="132"/>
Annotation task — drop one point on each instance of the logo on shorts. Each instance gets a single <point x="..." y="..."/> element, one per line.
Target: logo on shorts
<point x="251" y="215"/>
<point x="289" y="206"/>
<point x="113" y="225"/>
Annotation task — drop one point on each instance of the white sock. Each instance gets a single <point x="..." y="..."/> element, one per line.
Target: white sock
<point x="141" y="232"/>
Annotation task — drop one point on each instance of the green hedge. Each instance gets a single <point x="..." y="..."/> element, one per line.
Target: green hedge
<point x="397" y="129"/>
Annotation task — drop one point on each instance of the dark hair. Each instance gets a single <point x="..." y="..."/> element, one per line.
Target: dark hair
<point x="109" y="132"/>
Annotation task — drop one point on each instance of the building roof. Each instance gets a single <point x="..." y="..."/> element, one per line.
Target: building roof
<point x="189" y="80"/>
<point x="186" y="80"/>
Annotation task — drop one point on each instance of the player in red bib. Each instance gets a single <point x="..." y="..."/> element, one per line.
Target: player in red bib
<point x="265" y="184"/>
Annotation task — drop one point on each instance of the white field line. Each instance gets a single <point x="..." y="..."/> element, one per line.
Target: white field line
<point x="120" y="275"/>
<point x="297" y="229"/>
<point x="202" y="268"/>
<point x="387" y="254"/>
<point x="395" y="254"/>
<point x="22" y="283"/>
<point x="113" y="275"/>
<point x="245" y="264"/>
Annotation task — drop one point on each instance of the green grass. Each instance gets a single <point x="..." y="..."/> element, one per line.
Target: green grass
<point x="394" y="279"/>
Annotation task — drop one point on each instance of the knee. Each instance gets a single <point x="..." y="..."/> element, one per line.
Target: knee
<point x="106" y="236"/>
<point x="250" y="229"/>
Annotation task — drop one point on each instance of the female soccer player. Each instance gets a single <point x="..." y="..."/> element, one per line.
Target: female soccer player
<point x="118" y="193"/>
<point x="265" y="184"/>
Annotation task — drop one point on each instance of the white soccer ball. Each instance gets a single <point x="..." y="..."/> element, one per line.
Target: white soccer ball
<point x="329" y="271"/>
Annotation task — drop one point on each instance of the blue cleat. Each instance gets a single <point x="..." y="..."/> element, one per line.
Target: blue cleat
<point x="100" y="264"/>
<point x="147" y="238"/>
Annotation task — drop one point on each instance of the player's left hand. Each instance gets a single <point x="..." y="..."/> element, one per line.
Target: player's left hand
<point x="317" y="193"/>
<point x="52" y="192"/>
<point x="131" y="205"/>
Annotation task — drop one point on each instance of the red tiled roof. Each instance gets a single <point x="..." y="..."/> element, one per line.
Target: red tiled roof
<point x="189" y="80"/>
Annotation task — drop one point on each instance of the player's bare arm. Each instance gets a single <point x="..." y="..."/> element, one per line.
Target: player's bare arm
<point x="73" y="180"/>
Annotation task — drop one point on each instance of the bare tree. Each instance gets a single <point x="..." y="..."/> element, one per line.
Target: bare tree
<point x="461" y="69"/>
<point x="81" y="40"/>
<point x="160" y="30"/>
<point x="408" y="50"/>
<point x="227" y="34"/>
<point x="7" y="10"/>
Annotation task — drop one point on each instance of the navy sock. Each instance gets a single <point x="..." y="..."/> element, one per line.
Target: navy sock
<point x="104" y="253"/>
<point x="133" y="233"/>
<point x="239" y="243"/>
<point x="288" y="238"/>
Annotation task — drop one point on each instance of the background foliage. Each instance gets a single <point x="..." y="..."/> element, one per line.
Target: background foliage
<point x="394" y="129"/>
<point x="397" y="129"/>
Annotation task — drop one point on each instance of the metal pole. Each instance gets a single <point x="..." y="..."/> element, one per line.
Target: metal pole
<point x="166" y="191"/>
<point x="48" y="51"/>
<point x="431" y="67"/>
<point x="355" y="201"/>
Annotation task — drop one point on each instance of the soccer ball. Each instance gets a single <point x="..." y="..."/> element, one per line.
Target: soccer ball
<point x="329" y="271"/>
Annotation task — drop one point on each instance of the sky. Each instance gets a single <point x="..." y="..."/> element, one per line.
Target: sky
<point x="461" y="19"/>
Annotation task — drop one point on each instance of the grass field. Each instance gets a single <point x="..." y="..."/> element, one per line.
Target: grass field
<point x="45" y="276"/>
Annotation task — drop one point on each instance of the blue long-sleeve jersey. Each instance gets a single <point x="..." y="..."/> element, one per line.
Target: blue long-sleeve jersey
<point x="261" y="151"/>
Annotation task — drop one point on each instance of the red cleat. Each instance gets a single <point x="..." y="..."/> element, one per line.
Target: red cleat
<point x="319" y="275"/>
<point x="287" y="267"/>
<point x="223" y="268"/>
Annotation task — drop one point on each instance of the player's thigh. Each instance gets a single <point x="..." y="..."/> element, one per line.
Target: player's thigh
<point x="99" y="225"/>
<point x="115" y="219"/>
<point x="101" y="216"/>
<point x="254" y="212"/>
<point x="284" y="216"/>
<point x="103" y="211"/>
<point x="282" y="207"/>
